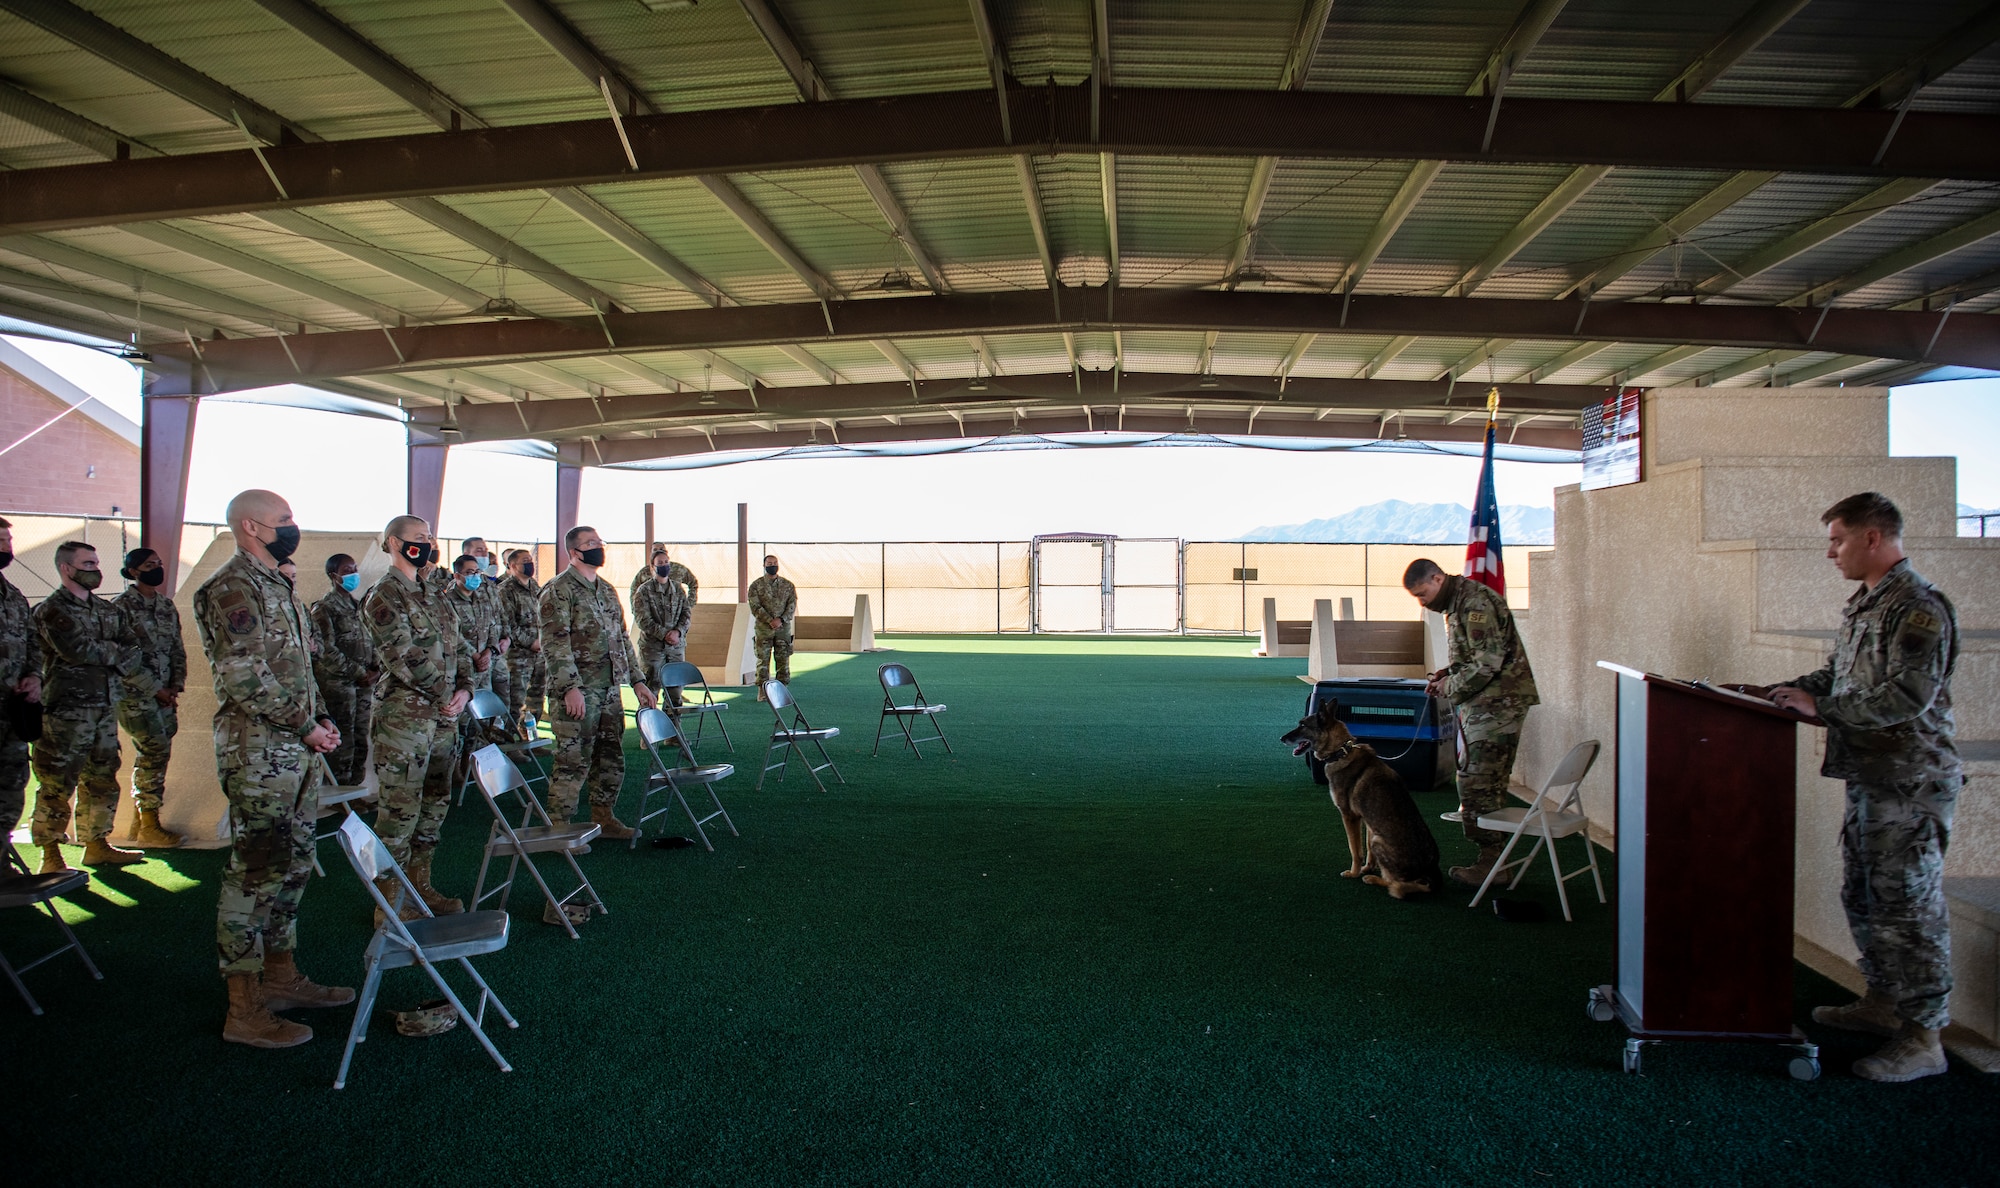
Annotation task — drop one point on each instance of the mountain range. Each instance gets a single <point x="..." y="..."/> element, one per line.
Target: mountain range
<point x="1394" y="521"/>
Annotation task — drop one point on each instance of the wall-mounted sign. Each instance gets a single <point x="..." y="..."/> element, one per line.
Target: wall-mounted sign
<point x="1611" y="442"/>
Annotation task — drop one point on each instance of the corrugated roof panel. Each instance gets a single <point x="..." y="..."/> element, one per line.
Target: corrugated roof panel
<point x="686" y="221"/>
<point x="1934" y="212"/>
<point x="1250" y="354"/>
<point x="1623" y="49"/>
<point x="1159" y="351"/>
<point x="1619" y="211"/>
<point x="971" y="217"/>
<point x="1045" y="40"/>
<point x="73" y="78"/>
<point x="1833" y="49"/>
<point x="117" y="246"/>
<point x="829" y="219"/>
<point x="1072" y="192"/>
<point x="937" y="48"/>
<point x="315" y="260"/>
<point x="1191" y="43"/>
<point x="1395" y="46"/>
<point x="1177" y="218"/>
<point x="1972" y="87"/>
<point x="1318" y="214"/>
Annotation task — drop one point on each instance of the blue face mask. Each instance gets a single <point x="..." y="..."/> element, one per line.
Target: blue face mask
<point x="350" y="582"/>
<point x="472" y="581"/>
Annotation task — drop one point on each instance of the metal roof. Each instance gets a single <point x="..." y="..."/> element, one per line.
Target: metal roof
<point x="84" y="81"/>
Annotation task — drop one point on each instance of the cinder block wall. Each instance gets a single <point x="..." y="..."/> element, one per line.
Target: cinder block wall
<point x="53" y="473"/>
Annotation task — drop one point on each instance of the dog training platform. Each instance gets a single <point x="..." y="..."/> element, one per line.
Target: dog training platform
<point x="1396" y="717"/>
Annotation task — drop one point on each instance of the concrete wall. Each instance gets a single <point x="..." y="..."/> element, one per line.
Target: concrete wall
<point x="1715" y="567"/>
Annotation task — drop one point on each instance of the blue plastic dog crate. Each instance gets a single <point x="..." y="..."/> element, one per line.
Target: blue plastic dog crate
<point x="1410" y="730"/>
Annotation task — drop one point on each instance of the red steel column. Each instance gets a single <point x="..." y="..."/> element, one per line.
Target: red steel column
<point x="426" y="480"/>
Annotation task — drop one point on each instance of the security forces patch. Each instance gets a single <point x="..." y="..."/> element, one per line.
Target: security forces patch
<point x="242" y="621"/>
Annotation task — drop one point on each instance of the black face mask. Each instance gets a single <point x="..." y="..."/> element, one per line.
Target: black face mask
<point x="152" y="577"/>
<point x="662" y="570"/>
<point x="772" y="570"/>
<point x="1442" y="602"/>
<point x="418" y="554"/>
<point x="286" y="544"/>
<point x="591" y="557"/>
<point x="527" y="569"/>
<point x="6" y="558"/>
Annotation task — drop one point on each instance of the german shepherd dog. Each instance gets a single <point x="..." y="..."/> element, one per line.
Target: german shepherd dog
<point x="1391" y="844"/>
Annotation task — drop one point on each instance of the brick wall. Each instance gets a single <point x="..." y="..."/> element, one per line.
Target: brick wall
<point x="53" y="473"/>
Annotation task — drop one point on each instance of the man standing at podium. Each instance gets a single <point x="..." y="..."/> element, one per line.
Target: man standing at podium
<point x="1885" y="696"/>
<point x="1488" y="680"/>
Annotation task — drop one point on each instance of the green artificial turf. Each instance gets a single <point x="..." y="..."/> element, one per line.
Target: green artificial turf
<point x="1104" y="943"/>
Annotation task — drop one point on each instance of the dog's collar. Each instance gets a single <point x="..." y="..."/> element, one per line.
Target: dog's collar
<point x="1346" y="749"/>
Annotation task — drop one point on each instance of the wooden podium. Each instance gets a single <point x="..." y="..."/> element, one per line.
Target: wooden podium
<point x="1705" y="869"/>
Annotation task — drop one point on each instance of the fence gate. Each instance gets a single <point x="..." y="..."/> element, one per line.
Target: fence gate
<point x="1084" y="582"/>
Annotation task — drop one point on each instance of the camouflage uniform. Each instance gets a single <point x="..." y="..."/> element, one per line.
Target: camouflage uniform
<point x="152" y="724"/>
<point x="584" y="641"/>
<point x="424" y="660"/>
<point x="657" y="608"/>
<point x="676" y="572"/>
<point x="90" y="656"/>
<point x="20" y="656"/>
<point x="346" y="656"/>
<point x="772" y="597"/>
<point x="527" y="672"/>
<point x="1491" y="684"/>
<point x="1885" y="694"/>
<point x="478" y="619"/>
<point x="257" y="636"/>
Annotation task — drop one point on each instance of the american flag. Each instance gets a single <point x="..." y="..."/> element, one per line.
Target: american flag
<point x="1483" y="562"/>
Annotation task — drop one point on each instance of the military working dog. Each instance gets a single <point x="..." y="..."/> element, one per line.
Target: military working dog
<point x="1391" y="844"/>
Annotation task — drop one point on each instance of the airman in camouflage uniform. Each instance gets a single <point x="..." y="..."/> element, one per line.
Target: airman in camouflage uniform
<point x="426" y="682"/>
<point x="152" y="721"/>
<point x="1885" y="696"/>
<point x="345" y="668"/>
<point x="774" y="604"/>
<point x="520" y="600"/>
<point x="676" y="572"/>
<point x="498" y="675"/>
<point x="89" y="656"/>
<point x="661" y="610"/>
<point x="269" y="730"/>
<point x="20" y="678"/>
<point x="1490" y="683"/>
<point x="478" y="619"/>
<point x="589" y="657"/>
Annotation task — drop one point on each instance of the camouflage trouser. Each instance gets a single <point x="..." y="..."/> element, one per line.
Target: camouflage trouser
<point x="273" y="790"/>
<point x="152" y="727"/>
<point x="13" y="780"/>
<point x="1491" y="742"/>
<point x="527" y="675"/>
<point x="652" y="655"/>
<point x="1892" y="844"/>
<point x="352" y="709"/>
<point x="769" y="644"/>
<point x="590" y="752"/>
<point x="76" y="757"/>
<point x="414" y="757"/>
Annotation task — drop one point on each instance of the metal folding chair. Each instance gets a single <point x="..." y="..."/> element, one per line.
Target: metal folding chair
<point x="20" y="887"/>
<point x="687" y="678"/>
<point x="792" y="736"/>
<point x="497" y="776"/>
<point x="657" y="730"/>
<point x="490" y="716"/>
<point x="896" y="676"/>
<point x="335" y="801"/>
<point x="423" y="942"/>
<point x="1546" y="820"/>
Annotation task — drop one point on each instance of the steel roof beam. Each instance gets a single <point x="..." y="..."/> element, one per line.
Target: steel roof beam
<point x="141" y="284"/>
<point x="119" y="314"/>
<point x="1648" y="366"/>
<point x="1298" y="64"/>
<point x="260" y="268"/>
<point x="1107" y="163"/>
<point x="249" y="362"/>
<point x="1031" y="192"/>
<point x="569" y="417"/>
<point x="1745" y="36"/>
<point x="1904" y="259"/>
<point x="1563" y="362"/>
<point x="1754" y="363"/>
<point x="1810" y="236"/>
<point x="64" y="124"/>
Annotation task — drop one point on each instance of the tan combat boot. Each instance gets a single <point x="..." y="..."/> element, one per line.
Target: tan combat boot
<point x="148" y="835"/>
<point x="609" y="827"/>
<point x="52" y="859"/>
<point x="98" y="852"/>
<point x="1874" y="1013"/>
<point x="1472" y="876"/>
<point x="251" y="1022"/>
<point x="419" y="871"/>
<point x="1914" y="1053"/>
<point x="286" y="989"/>
<point x="392" y="890"/>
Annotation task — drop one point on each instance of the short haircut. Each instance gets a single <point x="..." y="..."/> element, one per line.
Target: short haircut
<point x="334" y="563"/>
<point x="464" y="558"/>
<point x="575" y="534"/>
<point x="659" y="550"/>
<point x="1423" y="569"/>
<point x="134" y="559"/>
<point x="513" y="555"/>
<point x="1870" y="509"/>
<point x="68" y="549"/>
<point x="469" y="541"/>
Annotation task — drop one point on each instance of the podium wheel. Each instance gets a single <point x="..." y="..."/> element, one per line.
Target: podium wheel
<point x="1804" y="1068"/>
<point x="1632" y="1058"/>
<point x="1599" y="1008"/>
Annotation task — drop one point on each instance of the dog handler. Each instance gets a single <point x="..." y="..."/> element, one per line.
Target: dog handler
<point x="1490" y="682"/>
<point x="1885" y="696"/>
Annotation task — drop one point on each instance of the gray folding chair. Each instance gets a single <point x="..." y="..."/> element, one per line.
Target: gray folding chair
<point x="336" y="801"/>
<point x="793" y="736"/>
<point x="423" y="942"/>
<point x="1548" y="819"/>
<point x="688" y="680"/>
<point x="498" y="777"/>
<point x="658" y="731"/>
<point x="492" y="722"/>
<point x="893" y="677"/>
<point x="21" y="888"/>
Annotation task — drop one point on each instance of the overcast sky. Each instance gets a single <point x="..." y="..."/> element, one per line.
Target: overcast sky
<point x="347" y="472"/>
